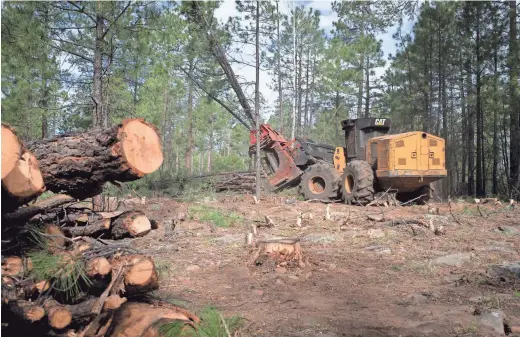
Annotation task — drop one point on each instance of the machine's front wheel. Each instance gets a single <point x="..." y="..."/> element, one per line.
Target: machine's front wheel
<point x="320" y="182"/>
<point x="357" y="182"/>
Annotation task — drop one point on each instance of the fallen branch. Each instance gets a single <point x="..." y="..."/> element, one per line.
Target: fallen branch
<point x="412" y="200"/>
<point x="453" y="215"/>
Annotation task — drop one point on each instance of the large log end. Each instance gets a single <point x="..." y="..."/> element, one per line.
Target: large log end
<point x="23" y="183"/>
<point x="140" y="145"/>
<point x="11" y="150"/>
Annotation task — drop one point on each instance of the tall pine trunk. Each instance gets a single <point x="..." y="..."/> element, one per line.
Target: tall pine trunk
<point x="367" y="88"/>
<point x="98" y="115"/>
<point x="279" y="69"/>
<point x="257" y="100"/>
<point x="189" y="149"/>
<point x="300" y="91"/>
<point x="514" y="127"/>
<point x="306" y="106"/>
<point x="464" y="123"/>
<point x="480" y="178"/>
<point x="494" y="188"/>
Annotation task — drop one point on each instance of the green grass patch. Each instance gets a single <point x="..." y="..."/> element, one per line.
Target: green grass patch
<point x="212" y="324"/>
<point x="217" y="217"/>
<point x="396" y="267"/>
<point x="468" y="210"/>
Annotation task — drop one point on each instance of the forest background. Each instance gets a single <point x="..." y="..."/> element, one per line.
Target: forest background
<point x="448" y="68"/>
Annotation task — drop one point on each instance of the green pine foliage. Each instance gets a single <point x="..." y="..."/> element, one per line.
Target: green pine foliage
<point x="64" y="272"/>
<point x="212" y="324"/>
<point x="442" y="78"/>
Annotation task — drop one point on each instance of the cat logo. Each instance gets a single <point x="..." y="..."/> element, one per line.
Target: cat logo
<point x="380" y="121"/>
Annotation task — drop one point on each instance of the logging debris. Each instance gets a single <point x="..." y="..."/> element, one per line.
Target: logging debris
<point x="56" y="269"/>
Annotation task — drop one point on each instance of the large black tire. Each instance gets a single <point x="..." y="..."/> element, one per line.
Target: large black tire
<point x="320" y="181"/>
<point x="420" y="196"/>
<point x="357" y="183"/>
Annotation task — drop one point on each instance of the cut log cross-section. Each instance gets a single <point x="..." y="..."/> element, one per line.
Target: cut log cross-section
<point x="98" y="266"/>
<point x="140" y="275"/>
<point x="81" y="164"/>
<point x="11" y="150"/>
<point x="26" y="310"/>
<point x="16" y="266"/>
<point x="130" y="224"/>
<point x="23" y="183"/>
<point x="59" y="316"/>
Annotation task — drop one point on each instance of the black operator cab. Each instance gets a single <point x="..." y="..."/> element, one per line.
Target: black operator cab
<point x="359" y="131"/>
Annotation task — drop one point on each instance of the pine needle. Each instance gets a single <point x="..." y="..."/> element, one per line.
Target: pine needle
<point x="212" y="324"/>
<point x="66" y="272"/>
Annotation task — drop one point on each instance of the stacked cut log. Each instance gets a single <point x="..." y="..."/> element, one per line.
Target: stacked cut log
<point x="238" y="182"/>
<point x="76" y="240"/>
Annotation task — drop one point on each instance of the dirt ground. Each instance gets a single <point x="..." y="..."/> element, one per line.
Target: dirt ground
<point x="366" y="278"/>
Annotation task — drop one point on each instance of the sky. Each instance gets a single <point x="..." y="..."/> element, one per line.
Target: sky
<point x="228" y="9"/>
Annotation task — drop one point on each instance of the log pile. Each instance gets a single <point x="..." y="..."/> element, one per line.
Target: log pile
<point x="238" y="182"/>
<point x="63" y="273"/>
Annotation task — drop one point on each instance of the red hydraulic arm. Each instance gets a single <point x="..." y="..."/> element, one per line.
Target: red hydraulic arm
<point x="279" y="156"/>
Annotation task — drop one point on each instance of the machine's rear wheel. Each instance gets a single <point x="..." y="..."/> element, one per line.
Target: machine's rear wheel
<point x="321" y="182"/>
<point x="357" y="182"/>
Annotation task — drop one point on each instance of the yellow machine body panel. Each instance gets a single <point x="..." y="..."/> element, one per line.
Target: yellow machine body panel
<point x="407" y="161"/>
<point x="340" y="160"/>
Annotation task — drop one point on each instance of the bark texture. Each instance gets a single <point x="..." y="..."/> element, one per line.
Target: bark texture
<point x="81" y="164"/>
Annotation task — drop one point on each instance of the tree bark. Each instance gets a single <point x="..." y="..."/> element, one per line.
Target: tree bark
<point x="257" y="101"/>
<point x="494" y="188"/>
<point x="98" y="115"/>
<point x="198" y="16"/>
<point x="367" y="88"/>
<point x="361" y="77"/>
<point x="94" y="229"/>
<point x="189" y="149"/>
<point x="306" y="106"/>
<point x="81" y="164"/>
<point x="26" y="310"/>
<point x="279" y="69"/>
<point x="25" y="213"/>
<point x="514" y="119"/>
<point x="480" y="163"/>
<point x="299" y="91"/>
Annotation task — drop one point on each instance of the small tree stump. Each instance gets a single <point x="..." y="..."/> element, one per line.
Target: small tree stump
<point x="283" y="252"/>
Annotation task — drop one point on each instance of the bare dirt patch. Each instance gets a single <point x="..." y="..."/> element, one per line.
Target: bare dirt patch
<point x="364" y="278"/>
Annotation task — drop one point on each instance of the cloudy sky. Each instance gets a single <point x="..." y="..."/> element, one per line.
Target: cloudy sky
<point x="228" y="9"/>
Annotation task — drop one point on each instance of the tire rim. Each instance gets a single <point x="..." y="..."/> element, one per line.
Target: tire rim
<point x="317" y="185"/>
<point x="349" y="183"/>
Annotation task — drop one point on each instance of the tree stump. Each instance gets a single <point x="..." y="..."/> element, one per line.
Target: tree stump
<point x="285" y="252"/>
